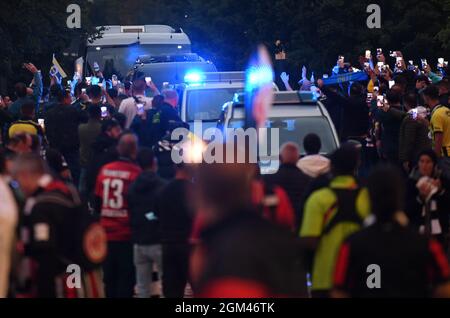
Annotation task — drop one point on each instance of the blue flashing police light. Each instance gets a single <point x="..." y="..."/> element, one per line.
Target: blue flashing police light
<point x="194" y="77"/>
<point x="258" y="76"/>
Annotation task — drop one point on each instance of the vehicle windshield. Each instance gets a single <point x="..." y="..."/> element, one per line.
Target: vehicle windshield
<point x="119" y="60"/>
<point x="295" y="129"/>
<point x="206" y="104"/>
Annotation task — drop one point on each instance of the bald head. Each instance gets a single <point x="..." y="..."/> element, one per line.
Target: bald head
<point x="289" y="153"/>
<point x="128" y="146"/>
<point x="27" y="170"/>
<point x="30" y="163"/>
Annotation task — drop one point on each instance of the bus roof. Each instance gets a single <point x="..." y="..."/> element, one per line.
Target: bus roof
<point x="144" y="34"/>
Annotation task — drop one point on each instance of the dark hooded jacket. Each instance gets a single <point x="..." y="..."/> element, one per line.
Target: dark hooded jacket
<point x="103" y="152"/>
<point x="144" y="218"/>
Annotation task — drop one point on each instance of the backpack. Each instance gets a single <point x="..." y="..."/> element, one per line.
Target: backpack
<point x="346" y="209"/>
<point x="84" y="242"/>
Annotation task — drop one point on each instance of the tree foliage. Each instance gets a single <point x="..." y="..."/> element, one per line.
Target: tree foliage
<point x="31" y="31"/>
<point x="315" y="32"/>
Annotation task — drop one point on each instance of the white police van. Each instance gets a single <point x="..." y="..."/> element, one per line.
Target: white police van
<point x="295" y="114"/>
<point x="119" y="46"/>
<point x="171" y="69"/>
<point x="205" y="93"/>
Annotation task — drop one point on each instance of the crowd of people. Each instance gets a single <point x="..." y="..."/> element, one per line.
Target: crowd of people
<point x="85" y="180"/>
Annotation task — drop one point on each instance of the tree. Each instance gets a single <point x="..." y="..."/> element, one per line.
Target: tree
<point x="31" y="31"/>
<point x="315" y="32"/>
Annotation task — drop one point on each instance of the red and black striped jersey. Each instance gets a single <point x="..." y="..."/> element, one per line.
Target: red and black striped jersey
<point x="113" y="183"/>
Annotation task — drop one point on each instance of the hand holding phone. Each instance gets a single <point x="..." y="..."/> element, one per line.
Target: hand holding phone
<point x="140" y="109"/>
<point x="391" y="84"/>
<point x="104" y="112"/>
<point x="424" y="63"/>
<point x="114" y="80"/>
<point x="380" y="100"/>
<point x="41" y="123"/>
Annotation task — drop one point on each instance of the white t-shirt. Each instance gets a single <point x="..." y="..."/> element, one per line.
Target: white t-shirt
<point x="129" y="109"/>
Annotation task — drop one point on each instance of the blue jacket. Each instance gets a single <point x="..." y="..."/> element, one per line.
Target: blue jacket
<point x="15" y="107"/>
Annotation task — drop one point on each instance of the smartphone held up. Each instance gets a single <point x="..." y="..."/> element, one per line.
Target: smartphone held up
<point x="104" y="112"/>
<point x="381" y="101"/>
<point x="140" y="109"/>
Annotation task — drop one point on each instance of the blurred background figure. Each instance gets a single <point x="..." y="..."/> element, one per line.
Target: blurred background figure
<point x="145" y="222"/>
<point x="428" y="199"/>
<point x="332" y="214"/>
<point x="313" y="164"/>
<point x="235" y="240"/>
<point x="176" y="213"/>
<point x="410" y="265"/>
<point x="290" y="178"/>
<point x="9" y="217"/>
<point x="112" y="205"/>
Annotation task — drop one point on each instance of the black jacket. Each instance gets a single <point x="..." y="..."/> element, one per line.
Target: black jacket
<point x="443" y="99"/>
<point x="413" y="140"/>
<point x="409" y="263"/>
<point x="159" y="123"/>
<point x="47" y="222"/>
<point x="354" y="121"/>
<point x="391" y="122"/>
<point x="61" y="126"/>
<point x="144" y="217"/>
<point x="438" y="206"/>
<point x="5" y="118"/>
<point x="293" y="181"/>
<point x="103" y="152"/>
<point x="176" y="212"/>
<point x="243" y="246"/>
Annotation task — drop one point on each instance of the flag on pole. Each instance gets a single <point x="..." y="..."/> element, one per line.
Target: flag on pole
<point x="56" y="69"/>
<point x="258" y="88"/>
<point x="346" y="77"/>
